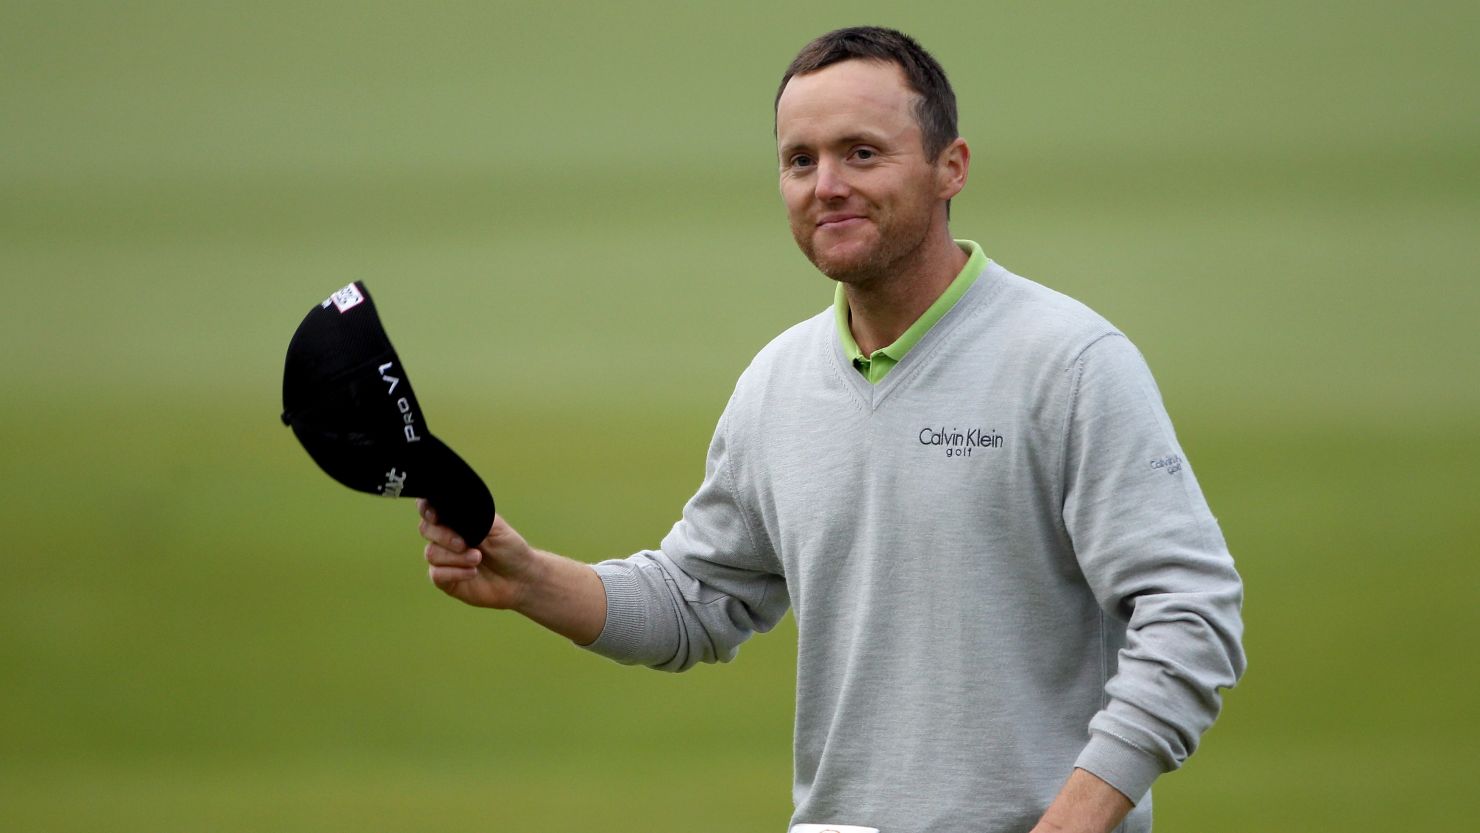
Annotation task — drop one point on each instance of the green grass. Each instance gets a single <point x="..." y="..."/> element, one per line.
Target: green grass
<point x="198" y="630"/>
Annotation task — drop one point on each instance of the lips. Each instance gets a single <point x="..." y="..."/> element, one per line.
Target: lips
<point x="837" y="221"/>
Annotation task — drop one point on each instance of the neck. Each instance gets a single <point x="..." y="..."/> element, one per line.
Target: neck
<point x="880" y="310"/>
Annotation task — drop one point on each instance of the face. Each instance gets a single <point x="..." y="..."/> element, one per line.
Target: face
<point x="861" y="197"/>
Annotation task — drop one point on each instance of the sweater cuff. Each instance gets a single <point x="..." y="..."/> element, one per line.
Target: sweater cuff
<point x="622" y="634"/>
<point x="1117" y="763"/>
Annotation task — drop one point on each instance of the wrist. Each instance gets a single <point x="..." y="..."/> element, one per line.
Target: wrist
<point x="528" y="582"/>
<point x="1086" y="804"/>
<point x="560" y="594"/>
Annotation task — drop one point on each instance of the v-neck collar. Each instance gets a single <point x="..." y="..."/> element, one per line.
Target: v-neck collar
<point x="872" y="395"/>
<point x="876" y="366"/>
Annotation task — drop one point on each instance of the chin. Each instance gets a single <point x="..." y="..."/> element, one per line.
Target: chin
<point x="849" y="264"/>
<point x="850" y="271"/>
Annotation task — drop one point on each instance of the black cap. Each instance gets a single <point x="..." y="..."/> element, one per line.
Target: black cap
<point x="349" y="402"/>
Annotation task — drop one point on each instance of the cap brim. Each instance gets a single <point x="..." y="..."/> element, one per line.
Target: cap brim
<point x="426" y="469"/>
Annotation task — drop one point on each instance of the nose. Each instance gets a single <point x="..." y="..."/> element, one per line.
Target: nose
<point x="831" y="184"/>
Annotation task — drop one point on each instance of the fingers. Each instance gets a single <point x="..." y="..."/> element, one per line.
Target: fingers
<point x="447" y="578"/>
<point x="440" y="556"/>
<point x="448" y="567"/>
<point x="441" y="536"/>
<point x="449" y="561"/>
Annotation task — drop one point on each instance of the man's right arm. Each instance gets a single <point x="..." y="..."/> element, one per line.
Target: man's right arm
<point x="712" y="583"/>
<point x="504" y="572"/>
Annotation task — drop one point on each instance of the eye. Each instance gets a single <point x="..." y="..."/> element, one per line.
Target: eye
<point x="864" y="154"/>
<point x="801" y="160"/>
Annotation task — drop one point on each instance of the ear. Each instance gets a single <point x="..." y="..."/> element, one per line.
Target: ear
<point x="951" y="168"/>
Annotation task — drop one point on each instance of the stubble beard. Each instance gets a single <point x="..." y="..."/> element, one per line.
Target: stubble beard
<point x="889" y="256"/>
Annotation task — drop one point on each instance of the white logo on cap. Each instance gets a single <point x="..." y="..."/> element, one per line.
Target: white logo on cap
<point x="394" y="380"/>
<point x="403" y="404"/>
<point x="394" y="483"/>
<point x="346" y="298"/>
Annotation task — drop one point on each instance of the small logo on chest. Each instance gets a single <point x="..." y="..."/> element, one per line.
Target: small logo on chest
<point x="958" y="443"/>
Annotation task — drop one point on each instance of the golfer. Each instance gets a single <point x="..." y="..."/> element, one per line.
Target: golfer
<point x="1014" y="608"/>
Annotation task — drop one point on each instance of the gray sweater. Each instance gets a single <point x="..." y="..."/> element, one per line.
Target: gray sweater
<point x="999" y="560"/>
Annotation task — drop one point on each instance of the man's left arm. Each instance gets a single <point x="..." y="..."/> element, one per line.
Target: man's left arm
<point x="1155" y="560"/>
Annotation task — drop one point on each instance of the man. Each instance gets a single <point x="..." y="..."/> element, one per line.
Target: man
<point x="1014" y="609"/>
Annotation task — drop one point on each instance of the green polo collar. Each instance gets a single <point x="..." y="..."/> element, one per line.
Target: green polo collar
<point x="875" y="367"/>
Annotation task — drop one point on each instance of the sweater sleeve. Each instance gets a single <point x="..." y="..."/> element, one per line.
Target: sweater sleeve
<point x="712" y="582"/>
<point x="1155" y="559"/>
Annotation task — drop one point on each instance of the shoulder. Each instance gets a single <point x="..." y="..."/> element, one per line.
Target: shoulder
<point x="787" y="364"/>
<point x="1022" y="317"/>
<point x="799" y="350"/>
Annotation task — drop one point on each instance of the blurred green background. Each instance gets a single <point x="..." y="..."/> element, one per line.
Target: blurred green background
<point x="1279" y="202"/>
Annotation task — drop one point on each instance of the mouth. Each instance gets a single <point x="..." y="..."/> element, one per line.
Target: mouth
<point x="839" y="221"/>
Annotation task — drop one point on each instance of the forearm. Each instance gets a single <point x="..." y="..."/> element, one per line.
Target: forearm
<point x="505" y="573"/>
<point x="565" y="596"/>
<point x="1084" y="805"/>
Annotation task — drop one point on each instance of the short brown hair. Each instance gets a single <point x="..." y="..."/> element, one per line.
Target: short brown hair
<point x="935" y="110"/>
